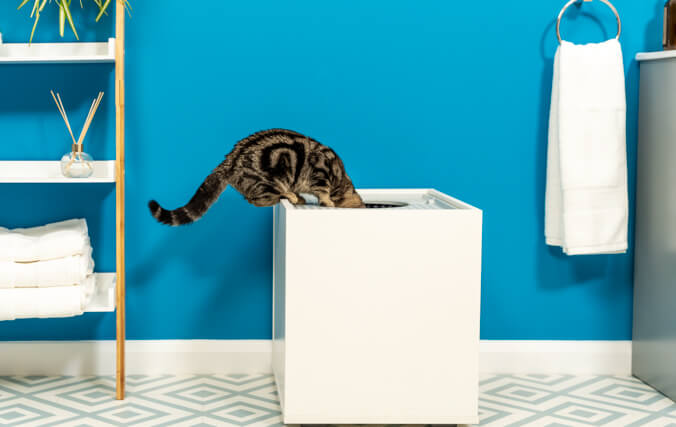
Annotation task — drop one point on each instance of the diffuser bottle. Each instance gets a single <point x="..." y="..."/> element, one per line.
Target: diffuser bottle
<point x="77" y="163"/>
<point x="669" y="34"/>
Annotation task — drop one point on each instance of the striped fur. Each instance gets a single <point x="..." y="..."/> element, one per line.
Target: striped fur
<point x="266" y="167"/>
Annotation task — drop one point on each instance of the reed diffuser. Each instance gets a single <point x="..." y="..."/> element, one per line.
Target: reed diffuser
<point x="77" y="163"/>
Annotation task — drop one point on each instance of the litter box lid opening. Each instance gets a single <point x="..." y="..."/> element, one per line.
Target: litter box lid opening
<point x="391" y="200"/>
<point x="384" y="205"/>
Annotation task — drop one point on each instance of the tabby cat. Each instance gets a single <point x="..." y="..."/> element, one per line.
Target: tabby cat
<point x="266" y="167"/>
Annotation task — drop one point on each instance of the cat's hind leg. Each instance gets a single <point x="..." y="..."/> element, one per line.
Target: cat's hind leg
<point x="262" y="194"/>
<point x="264" y="200"/>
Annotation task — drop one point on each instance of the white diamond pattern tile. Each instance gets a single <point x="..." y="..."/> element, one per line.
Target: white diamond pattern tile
<point x="251" y="400"/>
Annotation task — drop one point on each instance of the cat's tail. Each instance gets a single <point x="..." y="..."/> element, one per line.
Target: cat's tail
<point x="206" y="195"/>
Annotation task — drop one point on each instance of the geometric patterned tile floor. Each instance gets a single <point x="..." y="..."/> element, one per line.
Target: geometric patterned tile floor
<point x="565" y="400"/>
<point x="251" y="400"/>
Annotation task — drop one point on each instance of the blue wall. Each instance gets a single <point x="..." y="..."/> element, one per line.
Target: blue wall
<point x="451" y="95"/>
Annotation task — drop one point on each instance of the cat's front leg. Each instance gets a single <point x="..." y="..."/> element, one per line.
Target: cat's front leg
<point x="301" y="200"/>
<point x="325" y="200"/>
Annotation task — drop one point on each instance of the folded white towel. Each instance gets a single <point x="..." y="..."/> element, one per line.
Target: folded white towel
<point x="57" y="240"/>
<point x="586" y="203"/>
<point x="66" y="271"/>
<point x="65" y="301"/>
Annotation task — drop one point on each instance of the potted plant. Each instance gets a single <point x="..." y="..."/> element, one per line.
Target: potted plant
<point x="65" y="12"/>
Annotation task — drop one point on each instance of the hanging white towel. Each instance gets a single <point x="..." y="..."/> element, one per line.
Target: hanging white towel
<point x="65" y="301"/>
<point x="586" y="202"/>
<point x="66" y="271"/>
<point x="57" y="240"/>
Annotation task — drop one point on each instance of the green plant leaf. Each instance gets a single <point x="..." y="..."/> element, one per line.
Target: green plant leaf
<point x="69" y="17"/>
<point x="62" y="20"/>
<point x="36" y="7"/>
<point x="35" y="25"/>
<point x="103" y="9"/>
<point x="65" y="13"/>
<point x="100" y="5"/>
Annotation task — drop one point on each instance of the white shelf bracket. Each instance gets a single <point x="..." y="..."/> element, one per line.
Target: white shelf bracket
<point x="111" y="46"/>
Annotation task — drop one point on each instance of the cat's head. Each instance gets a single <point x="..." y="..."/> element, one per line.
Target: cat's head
<point x="343" y="194"/>
<point x="347" y="197"/>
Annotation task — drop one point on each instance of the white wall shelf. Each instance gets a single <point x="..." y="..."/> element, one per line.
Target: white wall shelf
<point x="57" y="53"/>
<point x="49" y="172"/>
<point x="653" y="56"/>
<point x="104" y="297"/>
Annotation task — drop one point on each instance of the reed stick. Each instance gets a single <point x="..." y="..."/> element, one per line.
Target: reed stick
<point x="62" y="110"/>
<point x="90" y="117"/>
<point x="89" y="114"/>
<point x="65" y="115"/>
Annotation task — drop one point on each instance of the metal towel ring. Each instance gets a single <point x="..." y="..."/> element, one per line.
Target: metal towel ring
<point x="610" y="5"/>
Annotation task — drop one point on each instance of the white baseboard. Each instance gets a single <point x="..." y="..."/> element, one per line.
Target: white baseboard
<point x="556" y="357"/>
<point x="143" y="357"/>
<point x="249" y="356"/>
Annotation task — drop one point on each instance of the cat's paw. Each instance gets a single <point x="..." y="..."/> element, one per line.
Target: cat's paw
<point x="291" y="197"/>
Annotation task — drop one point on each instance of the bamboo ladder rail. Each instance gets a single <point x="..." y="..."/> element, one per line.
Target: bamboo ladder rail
<point x="119" y="195"/>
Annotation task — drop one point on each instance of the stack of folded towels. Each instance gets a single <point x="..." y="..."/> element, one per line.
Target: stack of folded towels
<point x="46" y="271"/>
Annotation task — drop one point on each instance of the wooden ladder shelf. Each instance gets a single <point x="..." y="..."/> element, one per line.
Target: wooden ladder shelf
<point x="105" y="171"/>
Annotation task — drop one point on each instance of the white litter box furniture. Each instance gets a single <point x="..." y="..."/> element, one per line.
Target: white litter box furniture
<point x="376" y="311"/>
